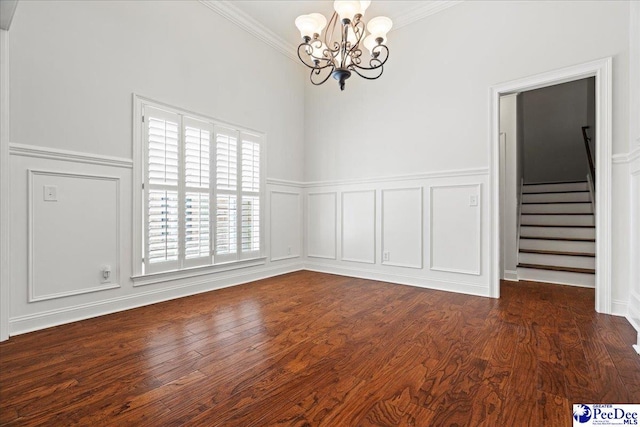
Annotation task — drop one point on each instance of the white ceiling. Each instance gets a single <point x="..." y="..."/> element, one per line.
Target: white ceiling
<point x="272" y="21"/>
<point x="279" y="16"/>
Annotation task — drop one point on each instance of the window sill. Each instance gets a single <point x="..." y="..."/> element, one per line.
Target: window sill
<point x="185" y="273"/>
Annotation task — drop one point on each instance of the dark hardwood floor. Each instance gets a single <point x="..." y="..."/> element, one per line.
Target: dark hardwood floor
<point x="311" y="349"/>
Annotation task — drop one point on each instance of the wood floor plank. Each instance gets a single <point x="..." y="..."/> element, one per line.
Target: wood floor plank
<point x="311" y="349"/>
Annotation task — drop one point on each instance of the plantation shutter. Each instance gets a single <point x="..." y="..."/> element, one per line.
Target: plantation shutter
<point x="197" y="188"/>
<point x="250" y="196"/>
<point x="226" y="195"/>
<point x="162" y="179"/>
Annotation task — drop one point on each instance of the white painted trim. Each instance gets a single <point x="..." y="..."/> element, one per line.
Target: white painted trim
<point x="335" y="219"/>
<point x="286" y="183"/>
<point x="301" y="230"/>
<point x="68" y="156"/>
<point x="395" y="264"/>
<point x="601" y="69"/>
<point x="401" y="279"/>
<point x="511" y="275"/>
<point x="7" y="10"/>
<point x="629" y="157"/>
<point x="32" y="294"/>
<point x="342" y="257"/>
<point x="619" y="308"/>
<point x="634" y="75"/>
<point x="47" y="319"/>
<point x="423" y="10"/>
<point x="230" y="12"/>
<point x="396" y="178"/>
<point x="477" y="272"/>
<point x="5" y="293"/>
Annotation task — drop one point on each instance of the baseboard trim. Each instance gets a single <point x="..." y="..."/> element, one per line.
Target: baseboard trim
<point x="29" y="323"/>
<point x="619" y="308"/>
<point x="511" y="275"/>
<point x="399" y="279"/>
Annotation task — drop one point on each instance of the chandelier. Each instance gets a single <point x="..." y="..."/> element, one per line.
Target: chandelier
<point x="338" y="55"/>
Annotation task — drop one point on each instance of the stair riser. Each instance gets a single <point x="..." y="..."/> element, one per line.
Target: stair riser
<point x="556" y="197"/>
<point x="558" y="245"/>
<point x="535" y="188"/>
<point x="559" y="232"/>
<point x="558" y="208"/>
<point x="562" y="277"/>
<point x="558" y="260"/>
<point x="558" y="219"/>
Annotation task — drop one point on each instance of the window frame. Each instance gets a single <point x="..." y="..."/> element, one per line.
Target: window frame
<point x="185" y="267"/>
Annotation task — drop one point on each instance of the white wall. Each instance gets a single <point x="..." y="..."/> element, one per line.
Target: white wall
<point x="430" y="110"/>
<point x="554" y="148"/>
<point x="511" y="184"/>
<point x="74" y="67"/>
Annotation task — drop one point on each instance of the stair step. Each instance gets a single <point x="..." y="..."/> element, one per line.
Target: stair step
<point x="558" y="202"/>
<point x="558" y="245"/>
<point x="557" y="220"/>
<point x="559" y="225"/>
<point x="558" y="268"/>
<point x="562" y="239"/>
<point x="565" y="253"/>
<point x="557" y="208"/>
<point x="556" y="259"/>
<point x="554" y="276"/>
<point x="565" y="232"/>
<point x="558" y="213"/>
<point x="555" y="192"/>
<point x="571" y="196"/>
<point x="558" y="186"/>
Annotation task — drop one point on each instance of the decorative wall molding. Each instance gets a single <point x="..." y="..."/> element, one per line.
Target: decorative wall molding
<point x="629" y="157"/>
<point x="420" y="233"/>
<point x="396" y="178"/>
<point x="298" y="198"/>
<point x="228" y="11"/>
<point x="373" y="227"/>
<point x="286" y="183"/>
<point x="46" y="319"/>
<point x="334" y="231"/>
<point x="16" y="149"/>
<point x="33" y="294"/>
<point x="478" y="222"/>
<point x="423" y="10"/>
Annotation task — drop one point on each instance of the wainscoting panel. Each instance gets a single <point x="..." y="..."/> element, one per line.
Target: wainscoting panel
<point x="402" y="227"/>
<point x="321" y="225"/>
<point x="80" y="214"/>
<point x="359" y="226"/>
<point x="286" y="231"/>
<point x="455" y="232"/>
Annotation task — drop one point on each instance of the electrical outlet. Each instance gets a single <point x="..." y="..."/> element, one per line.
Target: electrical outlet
<point x="473" y="200"/>
<point x="385" y="256"/>
<point x="106" y="274"/>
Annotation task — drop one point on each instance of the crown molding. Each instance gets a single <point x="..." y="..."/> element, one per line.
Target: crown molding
<point x="422" y="11"/>
<point x="227" y="10"/>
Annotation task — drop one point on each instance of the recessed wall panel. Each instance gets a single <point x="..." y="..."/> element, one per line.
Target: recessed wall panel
<point x="286" y="231"/>
<point x="321" y="225"/>
<point x="455" y="228"/>
<point x="402" y="227"/>
<point x="359" y="226"/>
<point x="73" y="234"/>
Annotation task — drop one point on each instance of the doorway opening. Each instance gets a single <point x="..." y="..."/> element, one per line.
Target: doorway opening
<point x="598" y="74"/>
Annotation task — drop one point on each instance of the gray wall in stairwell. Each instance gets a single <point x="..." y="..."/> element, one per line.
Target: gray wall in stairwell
<point x="552" y="119"/>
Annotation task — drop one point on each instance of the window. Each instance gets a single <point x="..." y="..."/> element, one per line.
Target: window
<point x="202" y="191"/>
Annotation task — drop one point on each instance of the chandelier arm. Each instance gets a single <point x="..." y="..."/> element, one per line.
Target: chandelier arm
<point x="305" y="48"/>
<point x="317" y="73"/>
<point x="357" y="26"/>
<point x="355" y="68"/>
<point x="332" y="24"/>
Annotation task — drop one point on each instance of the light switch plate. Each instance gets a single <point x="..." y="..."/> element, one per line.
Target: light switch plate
<point x="50" y="193"/>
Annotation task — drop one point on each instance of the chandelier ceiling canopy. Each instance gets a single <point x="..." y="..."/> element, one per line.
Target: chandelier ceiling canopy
<point x="339" y="52"/>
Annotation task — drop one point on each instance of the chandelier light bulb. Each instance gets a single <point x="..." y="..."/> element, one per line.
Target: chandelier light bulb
<point x="347" y="9"/>
<point x="370" y="42"/>
<point x="310" y="24"/>
<point x="379" y="26"/>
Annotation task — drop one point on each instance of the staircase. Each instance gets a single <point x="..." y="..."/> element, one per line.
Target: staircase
<point x="557" y="234"/>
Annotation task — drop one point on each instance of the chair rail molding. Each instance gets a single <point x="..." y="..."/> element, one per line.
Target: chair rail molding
<point x="601" y="70"/>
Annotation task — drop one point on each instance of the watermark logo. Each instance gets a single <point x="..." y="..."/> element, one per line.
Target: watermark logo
<point x="581" y="413"/>
<point x="585" y="415"/>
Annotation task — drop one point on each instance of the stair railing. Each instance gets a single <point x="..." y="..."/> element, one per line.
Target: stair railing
<point x="587" y="146"/>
